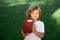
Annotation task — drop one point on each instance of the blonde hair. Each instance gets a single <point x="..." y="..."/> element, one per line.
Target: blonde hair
<point x="32" y="8"/>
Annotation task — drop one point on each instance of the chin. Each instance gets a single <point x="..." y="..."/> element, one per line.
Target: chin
<point x="34" y="19"/>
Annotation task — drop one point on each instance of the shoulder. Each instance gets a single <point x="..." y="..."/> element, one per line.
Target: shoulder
<point x="40" y="22"/>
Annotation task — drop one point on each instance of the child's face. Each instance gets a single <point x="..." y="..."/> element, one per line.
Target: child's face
<point x="35" y="14"/>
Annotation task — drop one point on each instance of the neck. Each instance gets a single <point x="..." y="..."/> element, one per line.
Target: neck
<point x="35" y="20"/>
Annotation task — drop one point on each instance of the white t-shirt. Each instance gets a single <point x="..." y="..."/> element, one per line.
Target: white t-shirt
<point x="39" y="25"/>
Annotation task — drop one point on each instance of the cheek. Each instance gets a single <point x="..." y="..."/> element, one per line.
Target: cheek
<point x="37" y="16"/>
<point x="32" y="15"/>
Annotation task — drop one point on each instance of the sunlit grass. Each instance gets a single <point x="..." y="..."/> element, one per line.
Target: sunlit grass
<point x="17" y="3"/>
<point x="36" y="2"/>
<point x="56" y="16"/>
<point x="22" y="2"/>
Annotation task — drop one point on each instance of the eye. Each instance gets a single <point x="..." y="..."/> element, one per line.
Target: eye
<point x="32" y="13"/>
<point x="37" y="13"/>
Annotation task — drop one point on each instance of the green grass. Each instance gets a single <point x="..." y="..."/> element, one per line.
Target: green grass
<point x="12" y="14"/>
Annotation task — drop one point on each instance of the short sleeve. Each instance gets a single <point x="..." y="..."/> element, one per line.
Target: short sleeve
<point x="40" y="27"/>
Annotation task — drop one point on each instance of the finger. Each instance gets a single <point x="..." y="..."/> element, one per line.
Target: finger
<point x="27" y="33"/>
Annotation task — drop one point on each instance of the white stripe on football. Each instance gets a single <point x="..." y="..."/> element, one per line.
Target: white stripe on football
<point x="29" y="20"/>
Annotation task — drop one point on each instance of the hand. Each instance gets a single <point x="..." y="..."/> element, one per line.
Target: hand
<point x="27" y="33"/>
<point x="33" y="29"/>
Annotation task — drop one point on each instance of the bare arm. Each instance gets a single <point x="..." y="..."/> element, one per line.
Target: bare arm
<point x="39" y="34"/>
<point x="23" y="34"/>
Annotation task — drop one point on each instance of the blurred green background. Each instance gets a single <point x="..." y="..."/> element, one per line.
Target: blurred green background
<point x="12" y="14"/>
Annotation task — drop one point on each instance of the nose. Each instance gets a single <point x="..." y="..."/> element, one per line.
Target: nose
<point x="35" y="15"/>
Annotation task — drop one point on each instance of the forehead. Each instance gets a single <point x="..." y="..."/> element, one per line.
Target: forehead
<point x="36" y="11"/>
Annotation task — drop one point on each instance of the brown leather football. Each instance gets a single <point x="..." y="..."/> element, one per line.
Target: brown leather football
<point x="27" y="25"/>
